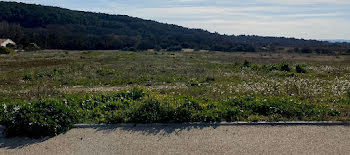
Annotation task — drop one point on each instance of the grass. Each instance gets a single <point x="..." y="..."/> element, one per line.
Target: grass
<point x="53" y="73"/>
<point x="51" y="116"/>
<point x="180" y="86"/>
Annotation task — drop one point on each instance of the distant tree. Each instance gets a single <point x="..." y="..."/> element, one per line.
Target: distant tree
<point x="296" y="50"/>
<point x="174" y="48"/>
<point x="157" y="48"/>
<point x="306" y="50"/>
<point x="32" y="47"/>
<point x="323" y="51"/>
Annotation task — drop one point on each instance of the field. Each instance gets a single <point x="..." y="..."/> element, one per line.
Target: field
<point x="208" y="86"/>
<point x="199" y="74"/>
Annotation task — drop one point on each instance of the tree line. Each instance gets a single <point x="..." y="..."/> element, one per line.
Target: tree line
<point x="58" y="28"/>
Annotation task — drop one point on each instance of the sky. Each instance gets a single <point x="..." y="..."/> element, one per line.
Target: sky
<point x="308" y="19"/>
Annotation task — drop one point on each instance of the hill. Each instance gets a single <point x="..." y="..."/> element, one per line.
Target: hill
<point x="58" y="28"/>
<point x="338" y="41"/>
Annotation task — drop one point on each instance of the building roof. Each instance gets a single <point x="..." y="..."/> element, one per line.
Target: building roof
<point x="9" y="41"/>
<point x="2" y="40"/>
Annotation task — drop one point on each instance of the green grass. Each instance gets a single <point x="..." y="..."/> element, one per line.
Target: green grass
<point x="180" y="86"/>
<point x="51" y="116"/>
<point x="173" y="73"/>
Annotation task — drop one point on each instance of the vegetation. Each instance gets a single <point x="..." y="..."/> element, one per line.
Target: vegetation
<point x="57" y="28"/>
<point x="35" y="119"/>
<point x="44" y="93"/>
<point x="5" y="50"/>
<point x="300" y="69"/>
<point x="52" y="116"/>
<point x="32" y="47"/>
<point x="285" y="67"/>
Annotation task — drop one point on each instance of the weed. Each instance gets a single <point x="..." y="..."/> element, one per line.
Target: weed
<point x="300" y="69"/>
<point x="36" y="119"/>
<point x="246" y="63"/>
<point x="285" y="67"/>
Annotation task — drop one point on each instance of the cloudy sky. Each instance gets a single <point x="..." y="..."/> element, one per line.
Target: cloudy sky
<point x="309" y="19"/>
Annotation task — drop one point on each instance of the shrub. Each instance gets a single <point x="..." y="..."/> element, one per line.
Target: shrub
<point x="174" y="48"/>
<point x="5" y="50"/>
<point x="232" y="114"/>
<point x="27" y="76"/>
<point x="285" y="67"/>
<point x="135" y="93"/>
<point x="246" y="63"/>
<point x="187" y="109"/>
<point x="114" y="117"/>
<point x="38" y="119"/>
<point x="32" y="47"/>
<point x="306" y="50"/>
<point x="300" y="69"/>
<point x="11" y="46"/>
<point x="157" y="48"/>
<point x="149" y="111"/>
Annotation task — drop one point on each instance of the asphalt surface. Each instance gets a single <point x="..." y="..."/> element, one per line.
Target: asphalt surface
<point x="188" y="139"/>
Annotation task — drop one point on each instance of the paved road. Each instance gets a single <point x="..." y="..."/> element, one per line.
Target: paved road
<point x="188" y="139"/>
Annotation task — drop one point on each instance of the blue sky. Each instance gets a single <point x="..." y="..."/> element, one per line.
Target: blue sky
<point x="309" y="19"/>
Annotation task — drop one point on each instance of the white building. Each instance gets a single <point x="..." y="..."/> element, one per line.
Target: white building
<point x="5" y="42"/>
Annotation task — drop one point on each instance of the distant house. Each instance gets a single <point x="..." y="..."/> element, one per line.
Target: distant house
<point x="5" y="42"/>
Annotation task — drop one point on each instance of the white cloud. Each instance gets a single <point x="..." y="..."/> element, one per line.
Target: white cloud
<point x="253" y="20"/>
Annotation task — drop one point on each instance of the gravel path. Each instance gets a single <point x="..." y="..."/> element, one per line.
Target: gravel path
<point x="188" y="139"/>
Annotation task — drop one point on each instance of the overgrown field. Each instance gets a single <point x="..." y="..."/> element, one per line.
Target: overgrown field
<point x="55" y="89"/>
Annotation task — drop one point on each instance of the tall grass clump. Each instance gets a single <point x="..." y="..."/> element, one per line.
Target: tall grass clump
<point x="300" y="69"/>
<point x="285" y="67"/>
<point x="246" y="63"/>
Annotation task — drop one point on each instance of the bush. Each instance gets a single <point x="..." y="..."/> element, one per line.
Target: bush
<point x="306" y="50"/>
<point x="246" y="63"/>
<point x="149" y="111"/>
<point x="187" y="109"/>
<point x="38" y="119"/>
<point x="300" y="69"/>
<point x="174" y="48"/>
<point x="32" y="47"/>
<point x="285" y="67"/>
<point x="157" y="48"/>
<point x="5" y="50"/>
<point x="27" y="76"/>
